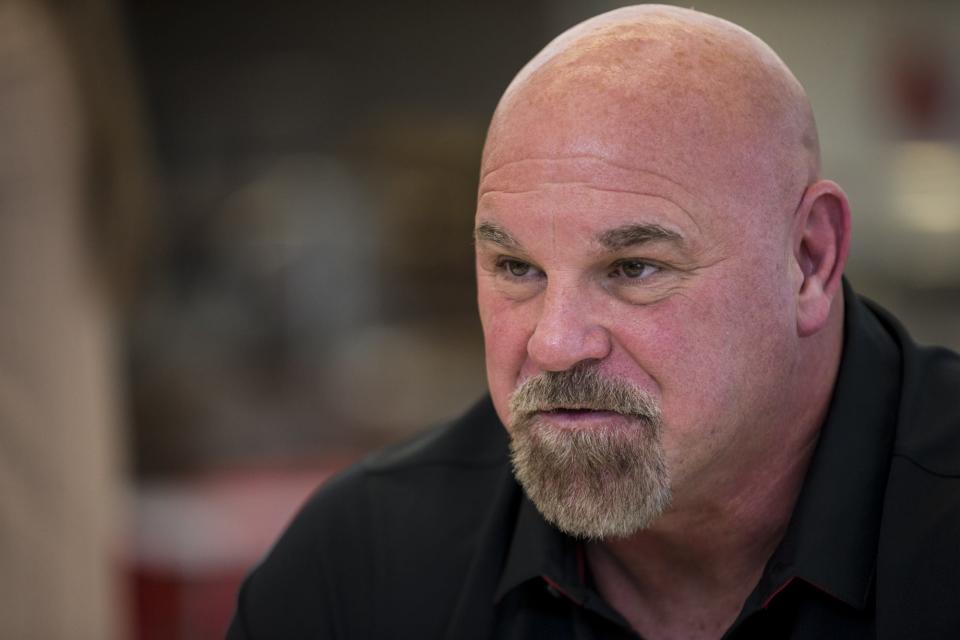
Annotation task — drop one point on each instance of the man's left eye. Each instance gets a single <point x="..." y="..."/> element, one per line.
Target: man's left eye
<point x="633" y="269"/>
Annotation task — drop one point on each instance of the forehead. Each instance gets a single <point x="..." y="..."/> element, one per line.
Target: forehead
<point x="576" y="158"/>
<point x="585" y="195"/>
<point x="609" y="139"/>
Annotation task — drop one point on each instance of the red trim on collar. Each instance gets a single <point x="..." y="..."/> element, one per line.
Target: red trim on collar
<point x="562" y="591"/>
<point x="776" y="592"/>
<point x="788" y="582"/>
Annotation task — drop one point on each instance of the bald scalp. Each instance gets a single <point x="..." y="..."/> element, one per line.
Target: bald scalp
<point x="662" y="74"/>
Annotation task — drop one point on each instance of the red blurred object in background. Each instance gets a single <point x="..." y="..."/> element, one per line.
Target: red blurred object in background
<point x="196" y="538"/>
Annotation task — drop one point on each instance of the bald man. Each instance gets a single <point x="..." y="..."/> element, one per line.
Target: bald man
<point x="695" y="428"/>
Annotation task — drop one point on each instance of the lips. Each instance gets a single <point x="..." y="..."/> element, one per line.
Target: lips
<point x="582" y="417"/>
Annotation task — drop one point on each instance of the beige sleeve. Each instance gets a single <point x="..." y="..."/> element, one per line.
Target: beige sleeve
<point x="59" y="471"/>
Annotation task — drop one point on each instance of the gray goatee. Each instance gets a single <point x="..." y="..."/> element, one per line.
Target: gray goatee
<point x="596" y="482"/>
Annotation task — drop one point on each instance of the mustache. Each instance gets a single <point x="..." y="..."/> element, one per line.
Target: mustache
<point x="582" y="387"/>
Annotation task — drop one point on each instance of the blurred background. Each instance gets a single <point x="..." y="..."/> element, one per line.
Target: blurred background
<point x="235" y="256"/>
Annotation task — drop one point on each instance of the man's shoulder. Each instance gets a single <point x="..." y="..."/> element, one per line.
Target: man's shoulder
<point x="433" y="473"/>
<point x="928" y="433"/>
<point x="918" y="570"/>
<point x="399" y="527"/>
<point x="421" y="486"/>
<point x="931" y="409"/>
<point x="474" y="440"/>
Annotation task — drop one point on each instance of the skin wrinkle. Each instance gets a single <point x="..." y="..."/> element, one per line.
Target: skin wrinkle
<point x="583" y="156"/>
<point x="554" y="183"/>
<point x="486" y="193"/>
<point x="489" y="192"/>
<point x="739" y="346"/>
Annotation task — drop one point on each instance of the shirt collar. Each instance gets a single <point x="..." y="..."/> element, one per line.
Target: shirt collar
<point x="831" y="540"/>
<point x="538" y="551"/>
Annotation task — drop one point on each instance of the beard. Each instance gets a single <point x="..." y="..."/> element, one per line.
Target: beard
<point x="595" y="482"/>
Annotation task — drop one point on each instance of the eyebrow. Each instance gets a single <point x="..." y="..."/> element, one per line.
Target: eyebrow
<point x="630" y="235"/>
<point x="616" y="239"/>
<point x="495" y="234"/>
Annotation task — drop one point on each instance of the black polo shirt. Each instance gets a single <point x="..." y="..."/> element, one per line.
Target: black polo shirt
<point x="435" y="539"/>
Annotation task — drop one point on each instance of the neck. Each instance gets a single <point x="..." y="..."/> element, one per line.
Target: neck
<point x="689" y="574"/>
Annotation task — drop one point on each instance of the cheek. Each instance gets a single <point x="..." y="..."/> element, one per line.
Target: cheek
<point x="670" y="346"/>
<point x="506" y="331"/>
<point x="715" y="360"/>
<point x="682" y="346"/>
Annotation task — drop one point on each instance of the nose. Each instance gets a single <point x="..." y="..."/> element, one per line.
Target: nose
<point x="565" y="334"/>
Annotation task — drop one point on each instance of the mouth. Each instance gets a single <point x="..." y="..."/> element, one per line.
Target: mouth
<point x="577" y="417"/>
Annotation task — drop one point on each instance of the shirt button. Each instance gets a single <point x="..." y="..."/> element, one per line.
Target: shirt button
<point x="552" y="590"/>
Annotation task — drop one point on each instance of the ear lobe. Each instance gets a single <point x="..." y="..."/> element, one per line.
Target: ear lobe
<point x="821" y="244"/>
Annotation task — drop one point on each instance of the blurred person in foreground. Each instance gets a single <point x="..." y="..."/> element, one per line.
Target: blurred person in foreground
<point x="708" y="434"/>
<point x="71" y="224"/>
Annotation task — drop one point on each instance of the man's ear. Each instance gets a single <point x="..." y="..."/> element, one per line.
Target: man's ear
<point x="820" y="246"/>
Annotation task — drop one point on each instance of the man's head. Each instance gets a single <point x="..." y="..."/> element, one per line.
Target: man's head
<point x="651" y="227"/>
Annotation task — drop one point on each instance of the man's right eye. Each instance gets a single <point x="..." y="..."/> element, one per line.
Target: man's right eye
<point x="514" y="268"/>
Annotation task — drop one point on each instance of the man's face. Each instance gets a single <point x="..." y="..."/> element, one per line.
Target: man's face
<point x="640" y="252"/>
